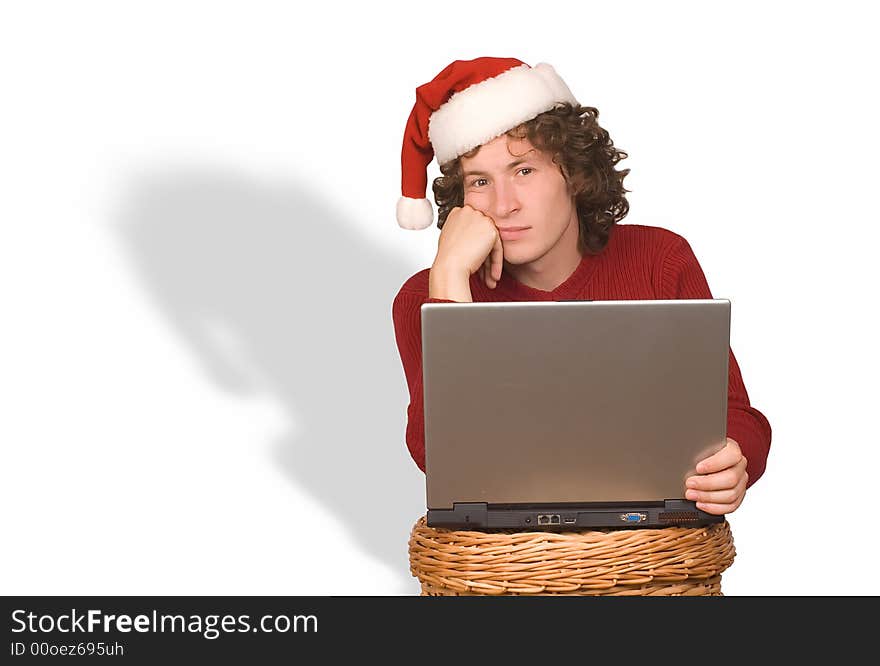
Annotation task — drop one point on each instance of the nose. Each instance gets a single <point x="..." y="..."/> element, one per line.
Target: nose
<point x="506" y="200"/>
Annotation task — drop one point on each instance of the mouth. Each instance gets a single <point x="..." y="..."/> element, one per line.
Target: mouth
<point x="512" y="233"/>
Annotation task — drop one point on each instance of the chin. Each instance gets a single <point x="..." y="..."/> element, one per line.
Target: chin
<point x="521" y="255"/>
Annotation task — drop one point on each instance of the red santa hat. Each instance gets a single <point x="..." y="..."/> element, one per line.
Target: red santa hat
<point x="466" y="105"/>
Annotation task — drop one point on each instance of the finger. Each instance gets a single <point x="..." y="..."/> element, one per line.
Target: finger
<point x="497" y="258"/>
<point x="726" y="496"/>
<point x="720" y="509"/>
<point x="717" y="509"/>
<point x="723" y="480"/>
<point x="719" y="501"/>
<point x="726" y="457"/>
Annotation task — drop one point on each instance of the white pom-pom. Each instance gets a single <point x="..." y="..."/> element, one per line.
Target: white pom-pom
<point x="414" y="214"/>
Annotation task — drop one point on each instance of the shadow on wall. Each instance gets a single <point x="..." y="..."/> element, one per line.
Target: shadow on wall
<point x="277" y="281"/>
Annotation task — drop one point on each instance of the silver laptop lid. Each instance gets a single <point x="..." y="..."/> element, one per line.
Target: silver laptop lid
<point x="582" y="401"/>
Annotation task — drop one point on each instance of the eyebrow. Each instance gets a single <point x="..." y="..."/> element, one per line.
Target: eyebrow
<point x="475" y="172"/>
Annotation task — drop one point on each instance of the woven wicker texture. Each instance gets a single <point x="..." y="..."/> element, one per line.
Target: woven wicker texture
<point x="645" y="562"/>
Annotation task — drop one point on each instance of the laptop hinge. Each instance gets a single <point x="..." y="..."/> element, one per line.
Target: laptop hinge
<point x="682" y="512"/>
<point x="462" y="513"/>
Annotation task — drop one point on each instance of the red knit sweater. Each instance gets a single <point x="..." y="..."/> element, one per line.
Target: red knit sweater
<point x="638" y="263"/>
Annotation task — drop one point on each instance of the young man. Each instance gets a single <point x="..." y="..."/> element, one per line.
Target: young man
<point x="528" y="204"/>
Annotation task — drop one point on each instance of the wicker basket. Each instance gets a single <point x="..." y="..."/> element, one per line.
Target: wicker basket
<point x="663" y="561"/>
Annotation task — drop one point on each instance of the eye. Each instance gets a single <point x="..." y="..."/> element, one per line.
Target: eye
<point x="529" y="169"/>
<point x="476" y="180"/>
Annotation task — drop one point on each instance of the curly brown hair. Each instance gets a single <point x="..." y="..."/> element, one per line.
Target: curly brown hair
<point x="586" y="156"/>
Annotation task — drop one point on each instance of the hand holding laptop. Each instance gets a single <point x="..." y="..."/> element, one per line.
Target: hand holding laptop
<point x="720" y="484"/>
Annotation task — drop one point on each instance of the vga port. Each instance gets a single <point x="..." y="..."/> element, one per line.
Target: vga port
<point x="633" y="517"/>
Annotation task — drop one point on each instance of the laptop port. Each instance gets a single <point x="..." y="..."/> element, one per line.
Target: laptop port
<point x="569" y="520"/>
<point x="633" y="517"/>
<point x="548" y="519"/>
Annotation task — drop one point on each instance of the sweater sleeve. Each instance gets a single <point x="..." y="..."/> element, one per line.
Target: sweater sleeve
<point x="407" y="317"/>
<point x="682" y="277"/>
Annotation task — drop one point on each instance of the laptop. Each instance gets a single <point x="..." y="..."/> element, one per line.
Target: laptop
<point x="571" y="414"/>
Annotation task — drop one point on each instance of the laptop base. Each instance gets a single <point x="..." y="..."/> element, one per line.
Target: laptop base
<point x="479" y="515"/>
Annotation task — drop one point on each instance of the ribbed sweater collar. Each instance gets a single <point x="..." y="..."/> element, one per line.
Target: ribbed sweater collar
<point x="572" y="286"/>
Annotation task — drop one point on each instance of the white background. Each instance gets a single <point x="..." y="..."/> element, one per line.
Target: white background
<point x="200" y="391"/>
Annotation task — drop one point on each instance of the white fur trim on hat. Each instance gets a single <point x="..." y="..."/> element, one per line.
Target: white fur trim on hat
<point x="491" y="107"/>
<point x="414" y="214"/>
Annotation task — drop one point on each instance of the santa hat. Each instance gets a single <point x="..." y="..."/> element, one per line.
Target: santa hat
<point x="466" y="105"/>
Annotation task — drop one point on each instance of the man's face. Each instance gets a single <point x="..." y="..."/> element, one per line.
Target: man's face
<point x="518" y="186"/>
